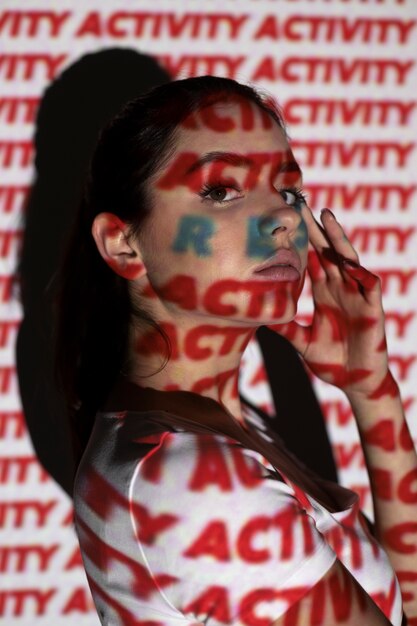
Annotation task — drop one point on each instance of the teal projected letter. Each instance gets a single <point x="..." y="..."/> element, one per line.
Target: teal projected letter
<point x="259" y="241"/>
<point x="194" y="231"/>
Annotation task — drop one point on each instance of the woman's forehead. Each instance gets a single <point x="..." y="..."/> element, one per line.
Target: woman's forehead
<point x="237" y="126"/>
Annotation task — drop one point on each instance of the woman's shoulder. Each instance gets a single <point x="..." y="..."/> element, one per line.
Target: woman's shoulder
<point x="201" y="462"/>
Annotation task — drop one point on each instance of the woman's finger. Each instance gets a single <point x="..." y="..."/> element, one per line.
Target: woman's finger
<point x="314" y="267"/>
<point x="327" y="255"/>
<point x="337" y="236"/>
<point x="370" y="284"/>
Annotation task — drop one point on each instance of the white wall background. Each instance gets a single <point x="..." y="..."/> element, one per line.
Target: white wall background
<point x="345" y="72"/>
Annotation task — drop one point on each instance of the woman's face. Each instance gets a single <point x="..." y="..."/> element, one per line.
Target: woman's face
<point x="225" y="202"/>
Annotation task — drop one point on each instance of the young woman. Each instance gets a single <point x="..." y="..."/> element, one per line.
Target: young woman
<point x="194" y="229"/>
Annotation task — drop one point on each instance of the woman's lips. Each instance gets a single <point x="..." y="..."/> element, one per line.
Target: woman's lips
<point x="279" y="272"/>
<point x="284" y="265"/>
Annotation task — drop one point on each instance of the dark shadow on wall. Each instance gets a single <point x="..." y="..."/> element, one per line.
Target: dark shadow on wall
<point x="73" y="109"/>
<point x="299" y="419"/>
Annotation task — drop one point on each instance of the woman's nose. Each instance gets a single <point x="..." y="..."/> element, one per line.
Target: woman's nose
<point x="280" y="220"/>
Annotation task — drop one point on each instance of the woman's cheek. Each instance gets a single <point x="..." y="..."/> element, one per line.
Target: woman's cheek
<point x="301" y="238"/>
<point x="193" y="234"/>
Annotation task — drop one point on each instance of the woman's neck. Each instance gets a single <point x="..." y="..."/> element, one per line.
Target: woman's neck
<point x="205" y="360"/>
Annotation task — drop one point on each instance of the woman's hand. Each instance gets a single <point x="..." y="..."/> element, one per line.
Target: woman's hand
<point x="345" y="344"/>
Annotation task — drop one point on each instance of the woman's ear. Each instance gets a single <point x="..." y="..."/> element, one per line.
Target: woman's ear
<point x="110" y="234"/>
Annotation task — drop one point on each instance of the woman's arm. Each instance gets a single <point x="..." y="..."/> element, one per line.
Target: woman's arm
<point x="346" y="346"/>
<point x="391" y="462"/>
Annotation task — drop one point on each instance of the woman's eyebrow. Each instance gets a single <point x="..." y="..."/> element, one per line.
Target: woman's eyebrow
<point x="291" y="168"/>
<point x="288" y="166"/>
<point x="278" y="165"/>
<point x="232" y="158"/>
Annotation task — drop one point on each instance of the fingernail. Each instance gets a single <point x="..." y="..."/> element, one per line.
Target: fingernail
<point x="328" y="211"/>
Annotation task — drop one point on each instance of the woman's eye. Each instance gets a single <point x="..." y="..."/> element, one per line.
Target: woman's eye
<point x="220" y="194"/>
<point x="293" y="197"/>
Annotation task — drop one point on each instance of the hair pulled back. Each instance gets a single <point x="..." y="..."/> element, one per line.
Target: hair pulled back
<point x="92" y="307"/>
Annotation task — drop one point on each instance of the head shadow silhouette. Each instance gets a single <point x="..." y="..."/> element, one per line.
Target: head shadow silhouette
<point x="72" y="111"/>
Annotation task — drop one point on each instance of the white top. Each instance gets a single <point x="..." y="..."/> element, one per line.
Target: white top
<point x="184" y="528"/>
